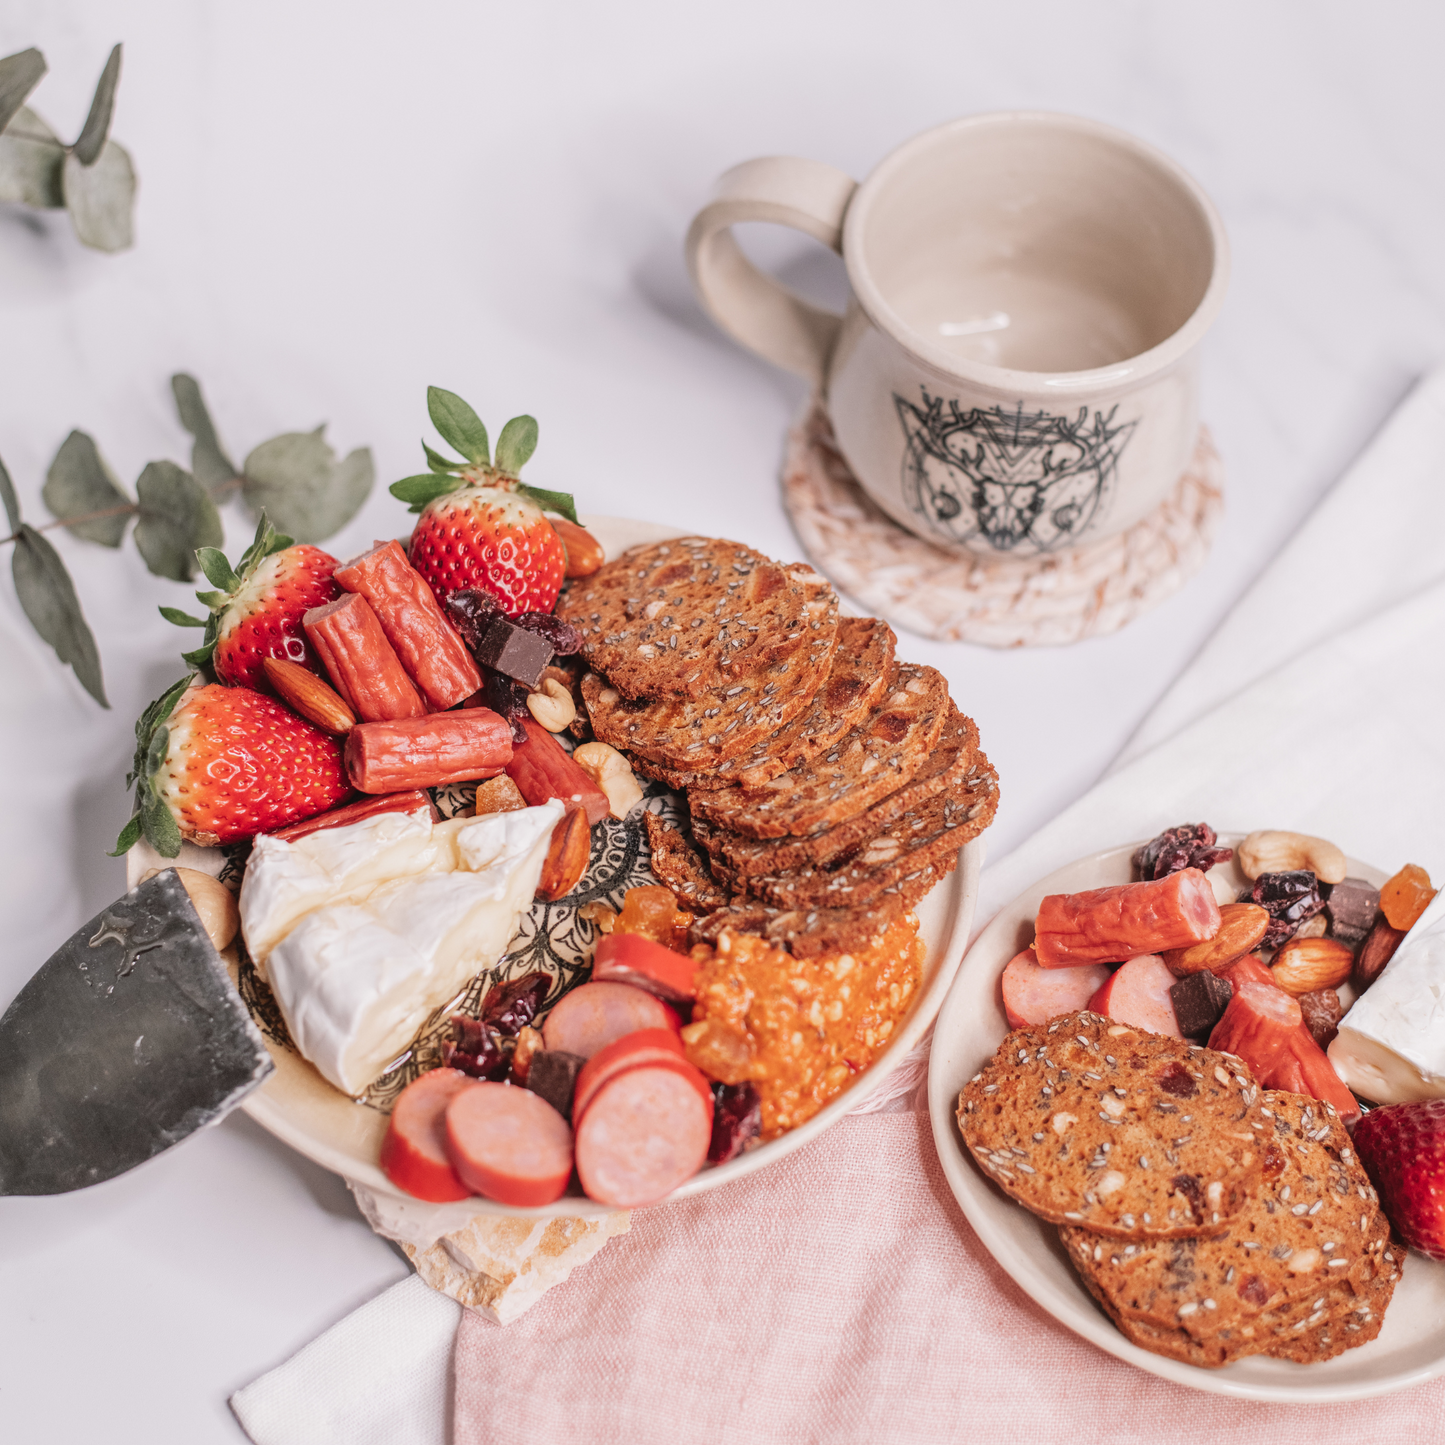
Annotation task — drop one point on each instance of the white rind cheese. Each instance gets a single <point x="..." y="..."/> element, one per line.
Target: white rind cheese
<point x="358" y="972"/>
<point x="1391" y="1045"/>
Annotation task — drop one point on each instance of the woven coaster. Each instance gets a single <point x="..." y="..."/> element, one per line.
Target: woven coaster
<point x="1036" y="601"/>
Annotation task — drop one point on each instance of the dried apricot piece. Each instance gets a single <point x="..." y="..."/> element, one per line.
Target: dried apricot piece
<point x="1406" y="896"/>
<point x="653" y="912"/>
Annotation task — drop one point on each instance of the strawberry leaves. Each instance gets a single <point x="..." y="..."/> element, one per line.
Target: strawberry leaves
<point x="152" y="819"/>
<point x="463" y="428"/>
<point x="459" y="425"/>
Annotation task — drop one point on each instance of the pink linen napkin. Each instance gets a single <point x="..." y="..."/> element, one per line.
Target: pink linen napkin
<point x="840" y="1296"/>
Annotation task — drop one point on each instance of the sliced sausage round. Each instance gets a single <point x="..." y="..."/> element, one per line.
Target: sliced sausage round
<point x="645" y="1131"/>
<point x="1034" y="995"/>
<point x="646" y="1046"/>
<point x="509" y="1144"/>
<point x="414" y="1151"/>
<point x="594" y="1014"/>
<point x="635" y="959"/>
<point x="1138" y="994"/>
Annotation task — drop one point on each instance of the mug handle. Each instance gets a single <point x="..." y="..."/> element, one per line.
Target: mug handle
<point x="753" y="308"/>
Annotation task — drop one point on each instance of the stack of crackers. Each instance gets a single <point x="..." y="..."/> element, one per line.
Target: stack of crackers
<point x="1209" y="1218"/>
<point x="829" y="786"/>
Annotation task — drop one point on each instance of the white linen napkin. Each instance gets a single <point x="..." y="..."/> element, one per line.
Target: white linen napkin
<point x="1318" y="705"/>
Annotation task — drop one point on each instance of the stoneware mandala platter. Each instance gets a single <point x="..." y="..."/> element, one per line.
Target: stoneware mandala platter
<point x="1409" y="1349"/>
<point x="342" y="1134"/>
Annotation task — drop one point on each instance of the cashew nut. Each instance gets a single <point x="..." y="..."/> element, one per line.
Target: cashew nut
<point x="552" y="706"/>
<point x="612" y="773"/>
<point x="1275" y="851"/>
<point x="214" y="903"/>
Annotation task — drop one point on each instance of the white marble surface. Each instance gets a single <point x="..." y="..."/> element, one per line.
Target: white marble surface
<point x="342" y="202"/>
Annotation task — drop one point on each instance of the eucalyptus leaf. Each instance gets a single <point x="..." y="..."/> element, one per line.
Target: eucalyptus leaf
<point x="78" y="483"/>
<point x="48" y="597"/>
<point x="19" y="75"/>
<point x="102" y="106"/>
<point x="559" y="502"/>
<point x="101" y="198"/>
<point x="12" y="502"/>
<point x="516" y="444"/>
<point x="296" y="480"/>
<point x="423" y="488"/>
<point x="176" y="518"/>
<point x="31" y="162"/>
<point x="210" y="465"/>
<point x="458" y="424"/>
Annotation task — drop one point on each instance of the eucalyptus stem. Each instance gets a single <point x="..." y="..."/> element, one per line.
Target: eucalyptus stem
<point x="130" y="509"/>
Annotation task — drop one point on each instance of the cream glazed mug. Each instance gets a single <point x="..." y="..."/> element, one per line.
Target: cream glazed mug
<point x="1017" y="370"/>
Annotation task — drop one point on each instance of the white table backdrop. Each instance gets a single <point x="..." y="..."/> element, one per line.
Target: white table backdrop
<point x="342" y="202"/>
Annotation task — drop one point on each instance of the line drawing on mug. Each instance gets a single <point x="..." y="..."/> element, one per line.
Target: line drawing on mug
<point x="1025" y="482"/>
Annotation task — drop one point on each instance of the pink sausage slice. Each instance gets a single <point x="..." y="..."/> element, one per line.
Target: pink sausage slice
<point x="592" y="1016"/>
<point x="646" y="1046"/>
<point x="632" y="958"/>
<point x="645" y="1132"/>
<point x="509" y="1144"/>
<point x="1138" y="994"/>
<point x="414" y="1151"/>
<point x="1108" y="925"/>
<point x="1034" y="995"/>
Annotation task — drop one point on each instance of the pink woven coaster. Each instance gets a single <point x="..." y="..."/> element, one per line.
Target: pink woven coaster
<point x="1005" y="601"/>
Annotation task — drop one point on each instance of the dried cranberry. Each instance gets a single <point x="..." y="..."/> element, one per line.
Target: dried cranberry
<point x="1177" y="1080"/>
<point x="507" y="699"/>
<point x="1290" y="899"/>
<point x="1190" y="845"/>
<point x="737" y="1119"/>
<point x="1188" y="1185"/>
<point x="510" y="1007"/>
<point x="477" y="1050"/>
<point x="470" y="611"/>
<point x="565" y="638"/>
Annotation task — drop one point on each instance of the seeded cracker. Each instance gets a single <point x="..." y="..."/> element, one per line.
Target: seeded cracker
<point x="861" y="666"/>
<point x="676" y="619"/>
<point x="678" y="865"/>
<point x="888" y="749"/>
<point x="945" y="769"/>
<point x="1066" y="1118"/>
<point x="700" y="732"/>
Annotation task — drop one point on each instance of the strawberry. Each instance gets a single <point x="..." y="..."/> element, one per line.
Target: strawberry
<point x="480" y="526"/>
<point x="256" y="611"/>
<point x="1402" y="1147"/>
<point x="216" y="765"/>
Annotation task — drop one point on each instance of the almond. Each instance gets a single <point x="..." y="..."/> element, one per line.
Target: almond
<point x="1376" y="951"/>
<point x="567" y="857"/>
<point x="1305" y="965"/>
<point x="584" y="551"/>
<point x="1241" y="927"/>
<point x="306" y="693"/>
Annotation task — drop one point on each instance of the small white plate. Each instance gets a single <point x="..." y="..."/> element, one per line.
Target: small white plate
<point x="1411" y="1346"/>
<point x="300" y="1108"/>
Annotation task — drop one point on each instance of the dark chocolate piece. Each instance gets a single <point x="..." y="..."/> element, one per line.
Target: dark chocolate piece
<point x="1352" y="908"/>
<point x="1199" y="1002"/>
<point x="565" y="638"/>
<point x="553" y="1076"/>
<point x="517" y="652"/>
<point x="470" y="611"/>
<point x="737" y="1120"/>
<point x="510" y="1007"/>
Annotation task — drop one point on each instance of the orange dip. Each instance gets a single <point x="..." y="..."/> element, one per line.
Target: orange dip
<point x="801" y="1029"/>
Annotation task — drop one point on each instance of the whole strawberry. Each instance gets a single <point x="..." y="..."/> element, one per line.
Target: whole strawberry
<point x="256" y="610"/>
<point x="216" y="765"/>
<point x="1402" y="1147"/>
<point x="480" y="526"/>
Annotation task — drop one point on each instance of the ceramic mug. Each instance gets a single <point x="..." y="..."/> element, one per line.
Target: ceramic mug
<point x="1017" y="370"/>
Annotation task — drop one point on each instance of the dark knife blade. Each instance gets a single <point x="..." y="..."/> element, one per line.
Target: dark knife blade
<point x="129" y="1038"/>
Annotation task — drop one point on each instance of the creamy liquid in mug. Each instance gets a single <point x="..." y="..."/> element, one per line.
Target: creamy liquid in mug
<point x="1026" y="321"/>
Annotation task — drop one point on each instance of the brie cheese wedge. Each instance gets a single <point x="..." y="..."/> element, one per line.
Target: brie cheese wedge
<point x="357" y="974"/>
<point x="1391" y="1045"/>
